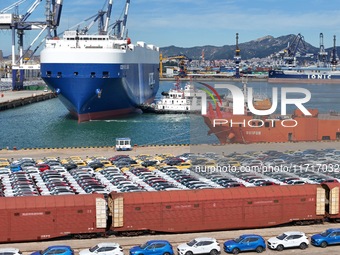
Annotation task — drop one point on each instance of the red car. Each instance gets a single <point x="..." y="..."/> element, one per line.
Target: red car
<point x="43" y="167"/>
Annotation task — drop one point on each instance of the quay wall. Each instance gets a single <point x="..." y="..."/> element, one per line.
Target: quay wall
<point x="9" y="102"/>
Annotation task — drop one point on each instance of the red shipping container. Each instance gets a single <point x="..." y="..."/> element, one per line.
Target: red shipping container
<point x="45" y="217"/>
<point x="215" y="209"/>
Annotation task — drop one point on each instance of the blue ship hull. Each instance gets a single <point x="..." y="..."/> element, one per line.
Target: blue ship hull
<point x="102" y="91"/>
<point x="304" y="76"/>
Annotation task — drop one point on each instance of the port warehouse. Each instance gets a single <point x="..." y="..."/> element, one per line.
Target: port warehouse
<point x="180" y="211"/>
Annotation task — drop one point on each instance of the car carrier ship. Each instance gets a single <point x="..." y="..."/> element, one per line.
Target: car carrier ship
<point x="104" y="75"/>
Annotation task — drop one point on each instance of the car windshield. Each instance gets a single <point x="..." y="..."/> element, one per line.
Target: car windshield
<point x="192" y="242"/>
<point x="237" y="240"/>
<point x="281" y="237"/>
<point x="143" y="246"/>
<point x="94" y="248"/>
<point x="325" y="233"/>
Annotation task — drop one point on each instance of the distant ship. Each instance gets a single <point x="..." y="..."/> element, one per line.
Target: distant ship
<point x="304" y="75"/>
<point x="101" y="76"/>
<point x="177" y="100"/>
<point x="325" y="71"/>
<point x="250" y="128"/>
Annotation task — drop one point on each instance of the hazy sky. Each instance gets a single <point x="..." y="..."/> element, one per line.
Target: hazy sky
<point x="189" y="23"/>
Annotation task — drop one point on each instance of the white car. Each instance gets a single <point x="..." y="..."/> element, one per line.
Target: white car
<point x="10" y="251"/>
<point x="200" y="245"/>
<point x="288" y="240"/>
<point x="103" y="249"/>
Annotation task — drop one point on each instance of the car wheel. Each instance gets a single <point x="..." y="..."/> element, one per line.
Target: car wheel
<point x="236" y="251"/>
<point x="213" y="252"/>
<point x="323" y="244"/>
<point x="259" y="249"/>
<point x="189" y="253"/>
<point x="303" y="246"/>
<point x="279" y="247"/>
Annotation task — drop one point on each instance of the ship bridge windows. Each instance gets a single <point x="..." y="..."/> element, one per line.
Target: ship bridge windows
<point x="106" y="74"/>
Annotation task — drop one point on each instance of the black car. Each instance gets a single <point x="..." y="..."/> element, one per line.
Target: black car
<point x="96" y="164"/>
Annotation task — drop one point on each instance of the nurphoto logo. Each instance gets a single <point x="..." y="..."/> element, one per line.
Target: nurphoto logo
<point x="239" y="100"/>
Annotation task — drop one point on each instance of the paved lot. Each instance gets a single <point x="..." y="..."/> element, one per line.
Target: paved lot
<point x="127" y="242"/>
<point x="13" y="95"/>
<point x="176" y="150"/>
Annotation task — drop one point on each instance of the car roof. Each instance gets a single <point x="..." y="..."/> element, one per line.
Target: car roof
<point x="59" y="246"/>
<point x="157" y="241"/>
<point x="107" y="244"/>
<point x="249" y="235"/>
<point x="293" y="233"/>
<point x="205" y="239"/>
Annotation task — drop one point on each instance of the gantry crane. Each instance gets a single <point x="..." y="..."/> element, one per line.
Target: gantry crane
<point x="18" y="24"/>
<point x="182" y="64"/>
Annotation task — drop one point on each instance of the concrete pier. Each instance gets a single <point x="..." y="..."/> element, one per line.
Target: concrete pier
<point x="13" y="99"/>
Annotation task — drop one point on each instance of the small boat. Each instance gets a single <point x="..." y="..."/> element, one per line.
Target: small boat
<point x="177" y="100"/>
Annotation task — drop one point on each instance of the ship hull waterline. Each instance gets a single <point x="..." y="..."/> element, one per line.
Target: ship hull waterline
<point x="96" y="98"/>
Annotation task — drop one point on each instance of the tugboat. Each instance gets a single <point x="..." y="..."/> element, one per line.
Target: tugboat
<point x="177" y="100"/>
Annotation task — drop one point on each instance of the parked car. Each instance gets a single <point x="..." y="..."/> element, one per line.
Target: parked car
<point x="201" y="245"/>
<point x="288" y="240"/>
<point x="248" y="242"/>
<point x="330" y="236"/>
<point x="103" y="249"/>
<point x="10" y="251"/>
<point x="153" y="247"/>
<point x="55" y="250"/>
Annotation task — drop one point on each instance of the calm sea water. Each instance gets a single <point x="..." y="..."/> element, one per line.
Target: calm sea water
<point x="48" y="123"/>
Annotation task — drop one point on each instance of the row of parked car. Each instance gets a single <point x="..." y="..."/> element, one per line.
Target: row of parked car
<point x="122" y="173"/>
<point x="201" y="245"/>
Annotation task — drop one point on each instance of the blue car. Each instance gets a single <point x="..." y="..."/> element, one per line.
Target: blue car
<point x="55" y="250"/>
<point x="15" y="167"/>
<point x="330" y="236"/>
<point x="247" y="242"/>
<point x="153" y="247"/>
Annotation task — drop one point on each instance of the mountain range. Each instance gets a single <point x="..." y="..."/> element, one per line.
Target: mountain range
<point x="259" y="48"/>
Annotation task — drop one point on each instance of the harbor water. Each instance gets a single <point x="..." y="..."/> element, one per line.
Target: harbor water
<point x="48" y="124"/>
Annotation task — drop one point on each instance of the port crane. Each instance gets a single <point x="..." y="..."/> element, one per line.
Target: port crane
<point x="237" y="58"/>
<point x="182" y="64"/>
<point x="322" y="55"/>
<point x="334" y="60"/>
<point x="18" y="24"/>
<point x="293" y="49"/>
